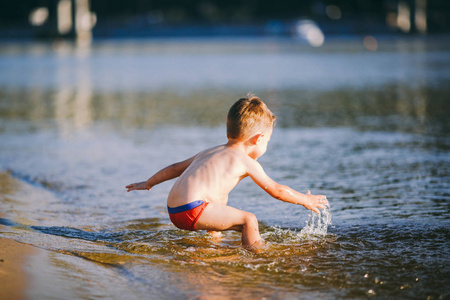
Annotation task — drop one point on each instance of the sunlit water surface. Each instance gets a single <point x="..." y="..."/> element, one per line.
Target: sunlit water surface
<point x="368" y="129"/>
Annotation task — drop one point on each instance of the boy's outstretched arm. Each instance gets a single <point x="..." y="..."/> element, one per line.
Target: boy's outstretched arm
<point x="283" y="192"/>
<point x="169" y="172"/>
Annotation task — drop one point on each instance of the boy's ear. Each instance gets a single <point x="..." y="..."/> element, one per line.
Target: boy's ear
<point x="256" y="138"/>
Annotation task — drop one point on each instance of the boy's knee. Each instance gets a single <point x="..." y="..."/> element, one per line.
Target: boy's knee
<point x="250" y="219"/>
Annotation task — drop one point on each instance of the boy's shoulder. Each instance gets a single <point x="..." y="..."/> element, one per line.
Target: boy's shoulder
<point x="239" y="158"/>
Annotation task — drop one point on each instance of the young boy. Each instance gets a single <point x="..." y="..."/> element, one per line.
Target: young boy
<point x="198" y="199"/>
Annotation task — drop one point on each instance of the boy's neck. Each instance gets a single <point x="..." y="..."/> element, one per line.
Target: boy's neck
<point x="245" y="146"/>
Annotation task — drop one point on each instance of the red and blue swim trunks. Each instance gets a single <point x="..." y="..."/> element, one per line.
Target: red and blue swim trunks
<point x="187" y="215"/>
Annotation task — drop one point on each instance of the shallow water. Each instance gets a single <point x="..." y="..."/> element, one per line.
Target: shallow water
<point x="368" y="129"/>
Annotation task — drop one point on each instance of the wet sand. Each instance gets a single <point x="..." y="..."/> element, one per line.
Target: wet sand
<point x="13" y="276"/>
<point x="14" y="258"/>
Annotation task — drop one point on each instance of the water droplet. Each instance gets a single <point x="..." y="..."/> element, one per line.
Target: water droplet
<point x="405" y="286"/>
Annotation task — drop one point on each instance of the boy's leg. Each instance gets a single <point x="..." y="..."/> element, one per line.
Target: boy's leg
<point x="220" y="217"/>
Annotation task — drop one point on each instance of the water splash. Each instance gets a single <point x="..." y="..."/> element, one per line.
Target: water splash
<point x="317" y="224"/>
<point x="316" y="227"/>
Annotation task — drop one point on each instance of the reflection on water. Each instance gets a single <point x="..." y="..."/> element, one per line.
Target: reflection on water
<point x="253" y="64"/>
<point x="369" y="130"/>
<point x="388" y="108"/>
<point x="403" y="86"/>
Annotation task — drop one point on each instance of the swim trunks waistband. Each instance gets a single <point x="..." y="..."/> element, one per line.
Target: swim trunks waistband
<point x="185" y="207"/>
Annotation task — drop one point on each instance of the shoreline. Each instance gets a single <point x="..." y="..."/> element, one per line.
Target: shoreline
<point x="14" y="279"/>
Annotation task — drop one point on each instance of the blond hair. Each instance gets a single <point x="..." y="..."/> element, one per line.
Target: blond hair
<point x="247" y="116"/>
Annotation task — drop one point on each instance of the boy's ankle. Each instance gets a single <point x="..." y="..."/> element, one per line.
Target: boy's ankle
<point x="256" y="247"/>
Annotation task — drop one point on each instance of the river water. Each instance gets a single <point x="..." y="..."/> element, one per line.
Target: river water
<point x="368" y="129"/>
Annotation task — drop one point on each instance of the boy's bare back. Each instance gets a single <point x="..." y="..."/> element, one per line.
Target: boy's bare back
<point x="210" y="177"/>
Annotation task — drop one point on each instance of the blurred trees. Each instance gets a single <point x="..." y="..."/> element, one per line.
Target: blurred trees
<point x="16" y="13"/>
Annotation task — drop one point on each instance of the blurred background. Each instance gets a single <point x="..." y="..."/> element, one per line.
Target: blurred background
<point x="89" y="52"/>
<point x="308" y="19"/>
<point x="156" y="18"/>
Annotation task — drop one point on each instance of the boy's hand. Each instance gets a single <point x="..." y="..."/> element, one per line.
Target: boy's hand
<point x="137" y="186"/>
<point x="315" y="202"/>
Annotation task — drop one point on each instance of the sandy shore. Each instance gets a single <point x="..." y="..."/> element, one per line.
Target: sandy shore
<point x="13" y="255"/>
<point x="13" y="278"/>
